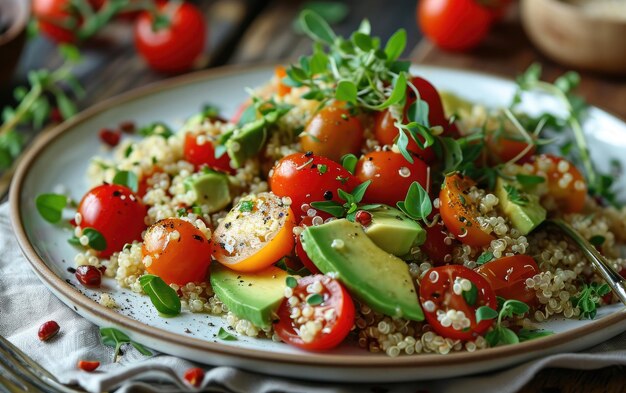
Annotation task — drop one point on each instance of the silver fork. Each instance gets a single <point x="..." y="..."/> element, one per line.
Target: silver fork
<point x="612" y="278"/>
<point x="20" y="373"/>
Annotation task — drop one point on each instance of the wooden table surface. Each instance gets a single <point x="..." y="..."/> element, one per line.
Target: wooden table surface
<point x="252" y="31"/>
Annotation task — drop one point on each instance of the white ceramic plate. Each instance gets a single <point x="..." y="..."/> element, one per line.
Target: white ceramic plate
<point x="62" y="156"/>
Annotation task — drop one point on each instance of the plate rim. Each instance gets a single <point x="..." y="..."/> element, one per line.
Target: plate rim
<point x="50" y="279"/>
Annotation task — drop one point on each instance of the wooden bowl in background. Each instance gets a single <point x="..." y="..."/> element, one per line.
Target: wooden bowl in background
<point x="569" y="35"/>
<point x="14" y="16"/>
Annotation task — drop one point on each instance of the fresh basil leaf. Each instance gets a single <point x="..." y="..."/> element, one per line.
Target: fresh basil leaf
<point x="397" y="94"/>
<point x="315" y="299"/>
<point x="163" y="297"/>
<point x="529" y="180"/>
<point x="597" y="240"/>
<point x="417" y="203"/>
<point x="349" y="198"/>
<point x="222" y="334"/>
<point x="331" y="11"/>
<point x="484" y="258"/>
<point x="127" y="179"/>
<point x="526" y="334"/>
<point x="346" y="91"/>
<point x="316" y="27"/>
<point x="115" y="338"/>
<point x="362" y="41"/>
<point x="349" y="162"/>
<point x="359" y="191"/>
<point x="96" y="240"/>
<point x="66" y="106"/>
<point x="493" y="336"/>
<point x="512" y="306"/>
<point x="568" y="81"/>
<point x="396" y="44"/>
<point x="453" y="156"/>
<point x="330" y="207"/>
<point x="50" y="206"/>
<point x="418" y="112"/>
<point x="291" y="282"/>
<point x="156" y="128"/>
<point x="471" y="296"/>
<point x="142" y="350"/>
<point x="484" y="313"/>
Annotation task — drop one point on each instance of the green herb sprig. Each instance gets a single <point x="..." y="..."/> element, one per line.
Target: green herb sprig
<point x="163" y="297"/>
<point x="115" y="338"/>
<point x="351" y="205"/>
<point x="35" y="105"/>
<point x="361" y="72"/>
<point x="588" y="299"/>
<point x="417" y="203"/>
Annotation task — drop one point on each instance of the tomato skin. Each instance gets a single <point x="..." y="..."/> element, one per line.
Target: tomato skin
<point x="298" y="177"/>
<point x="571" y="198"/>
<point x="436" y="287"/>
<point x="435" y="246"/>
<point x="459" y="214"/>
<point x="116" y="213"/>
<point x="49" y="14"/>
<point x="301" y="254"/>
<point x="175" y="48"/>
<point x="386" y="132"/>
<point x="388" y="185"/>
<point x="333" y="132"/>
<point x="454" y="24"/>
<point x="507" y="277"/>
<point x="179" y="260"/>
<point x="281" y="89"/>
<point x="204" y="155"/>
<point x="502" y="149"/>
<point x="335" y="297"/>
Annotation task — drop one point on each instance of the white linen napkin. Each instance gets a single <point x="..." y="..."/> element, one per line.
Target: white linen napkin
<point x="25" y="304"/>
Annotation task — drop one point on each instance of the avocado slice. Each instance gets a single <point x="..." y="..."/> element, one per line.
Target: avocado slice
<point x="522" y="208"/>
<point x="453" y="104"/>
<point x="211" y="189"/>
<point x="251" y="296"/>
<point x="393" y="231"/>
<point x="376" y="277"/>
<point x="247" y="142"/>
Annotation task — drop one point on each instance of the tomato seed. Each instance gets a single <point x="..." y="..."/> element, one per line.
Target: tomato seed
<point x="363" y="217"/>
<point x="89" y="276"/>
<point x="48" y="330"/>
<point x="110" y="137"/>
<point x="194" y="376"/>
<point x="88" y="365"/>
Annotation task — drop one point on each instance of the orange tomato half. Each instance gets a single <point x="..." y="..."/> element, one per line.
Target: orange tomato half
<point x="257" y="232"/>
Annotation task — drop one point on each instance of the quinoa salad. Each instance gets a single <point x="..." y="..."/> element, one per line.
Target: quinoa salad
<point x="350" y="200"/>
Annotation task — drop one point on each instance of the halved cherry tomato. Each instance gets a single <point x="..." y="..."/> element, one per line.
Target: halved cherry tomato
<point x="503" y="148"/>
<point x="51" y="15"/>
<point x="116" y="213"/>
<point x="332" y="133"/>
<point x="335" y="314"/>
<point x="459" y="213"/>
<point x="300" y="253"/>
<point x="143" y="181"/>
<point x="386" y="133"/>
<point x="435" y="245"/>
<point x="566" y="185"/>
<point x="257" y="232"/>
<point x="454" y="24"/>
<point x="391" y="175"/>
<point x="199" y="150"/>
<point x="307" y="178"/>
<point x="507" y="276"/>
<point x="441" y="291"/>
<point x="176" y="251"/>
<point x="173" y="48"/>
<point x="281" y="88"/>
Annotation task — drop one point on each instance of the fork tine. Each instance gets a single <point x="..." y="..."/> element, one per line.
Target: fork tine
<point x="12" y="380"/>
<point x="8" y="386"/>
<point x="16" y="353"/>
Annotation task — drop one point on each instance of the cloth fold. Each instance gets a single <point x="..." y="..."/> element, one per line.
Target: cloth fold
<point x="25" y="304"/>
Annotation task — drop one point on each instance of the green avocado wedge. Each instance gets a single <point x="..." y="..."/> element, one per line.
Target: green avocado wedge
<point x="251" y="296"/>
<point x="377" y="278"/>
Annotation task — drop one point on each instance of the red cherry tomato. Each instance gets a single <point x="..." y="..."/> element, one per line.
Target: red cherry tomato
<point x="307" y="178"/>
<point x="203" y="154"/>
<point x="176" y="47"/>
<point x="507" y="276"/>
<point x="566" y="185"/>
<point x="386" y="132"/>
<point x="503" y="148"/>
<point x="459" y="213"/>
<point x="301" y="254"/>
<point x="116" y="213"/>
<point x="51" y="15"/>
<point x="435" y="245"/>
<point x="438" y="294"/>
<point x="333" y="329"/>
<point x="178" y="252"/>
<point x="454" y="24"/>
<point x="391" y="175"/>
<point x="333" y="132"/>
